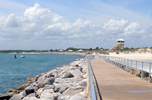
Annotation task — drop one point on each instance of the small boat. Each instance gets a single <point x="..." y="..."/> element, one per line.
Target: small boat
<point x="15" y="57"/>
<point x="22" y="56"/>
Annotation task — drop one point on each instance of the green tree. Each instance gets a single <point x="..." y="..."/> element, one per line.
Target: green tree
<point x="90" y="49"/>
<point x="97" y="48"/>
<point x="51" y="50"/>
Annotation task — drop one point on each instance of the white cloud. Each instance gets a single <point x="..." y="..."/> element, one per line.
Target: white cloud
<point x="40" y="25"/>
<point x="43" y="15"/>
<point x="114" y="26"/>
<point x="133" y="29"/>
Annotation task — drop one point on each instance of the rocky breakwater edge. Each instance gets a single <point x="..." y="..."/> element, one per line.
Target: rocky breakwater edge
<point x="68" y="82"/>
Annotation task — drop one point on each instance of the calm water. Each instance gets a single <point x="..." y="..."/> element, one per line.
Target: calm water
<point x="14" y="72"/>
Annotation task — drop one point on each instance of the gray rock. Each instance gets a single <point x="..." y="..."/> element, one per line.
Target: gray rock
<point x="38" y="92"/>
<point x="30" y="98"/>
<point x="60" y="80"/>
<point x="84" y="69"/>
<point x="56" y="87"/>
<point x="52" y="73"/>
<point x="18" y="96"/>
<point x="7" y="96"/>
<point x="66" y="97"/>
<point x="29" y="90"/>
<point x="76" y="72"/>
<point x="38" y="76"/>
<point x="84" y="76"/>
<point x="41" y="78"/>
<point x="82" y="83"/>
<point x="49" y="95"/>
<point x="78" y="97"/>
<point x="61" y="87"/>
<point x="67" y="75"/>
<point x="70" y="92"/>
<point x="48" y="87"/>
<point x="47" y="81"/>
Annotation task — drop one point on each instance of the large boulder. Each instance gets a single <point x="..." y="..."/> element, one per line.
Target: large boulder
<point x="48" y="87"/>
<point x="29" y="90"/>
<point x="47" y="81"/>
<point x="30" y="97"/>
<point x="78" y="97"/>
<point x="38" y="92"/>
<point x="82" y="83"/>
<point x="7" y="96"/>
<point x="70" y="92"/>
<point x="41" y="78"/>
<point x="19" y="96"/>
<point x="65" y="97"/>
<point x="49" y="95"/>
<point x="67" y="75"/>
<point x="52" y="73"/>
<point x="84" y="68"/>
<point x="76" y="72"/>
<point x="61" y="87"/>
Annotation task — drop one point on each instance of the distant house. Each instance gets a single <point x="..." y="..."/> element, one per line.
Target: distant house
<point x="80" y="50"/>
<point x="70" y="50"/>
<point x="61" y="50"/>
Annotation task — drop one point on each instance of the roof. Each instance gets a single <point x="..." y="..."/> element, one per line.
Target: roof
<point x="60" y="50"/>
<point x="80" y="50"/>
<point x="120" y="40"/>
<point x="70" y="50"/>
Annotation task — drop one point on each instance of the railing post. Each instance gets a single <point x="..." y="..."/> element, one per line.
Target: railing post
<point x="142" y="71"/>
<point x="131" y="67"/>
<point x="136" y="69"/>
<point x="121" y="63"/>
<point x="149" y="73"/>
<point x="127" y="65"/>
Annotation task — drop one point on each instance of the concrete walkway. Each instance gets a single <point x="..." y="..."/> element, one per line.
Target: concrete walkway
<point x="116" y="84"/>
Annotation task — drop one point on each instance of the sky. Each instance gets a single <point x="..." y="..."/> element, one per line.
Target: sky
<point x="59" y="24"/>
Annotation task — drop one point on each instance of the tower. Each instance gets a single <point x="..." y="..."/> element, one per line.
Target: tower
<point x="120" y="44"/>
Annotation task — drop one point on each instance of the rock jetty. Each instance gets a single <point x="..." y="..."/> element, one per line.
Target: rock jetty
<point x="68" y="82"/>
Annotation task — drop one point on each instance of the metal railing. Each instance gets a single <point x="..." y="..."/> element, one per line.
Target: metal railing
<point x="92" y="86"/>
<point x="131" y="65"/>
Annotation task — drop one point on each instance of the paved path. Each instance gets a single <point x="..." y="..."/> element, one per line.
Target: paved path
<point x="116" y="84"/>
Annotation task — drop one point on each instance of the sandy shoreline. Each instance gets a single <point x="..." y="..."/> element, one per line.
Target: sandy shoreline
<point x="134" y="56"/>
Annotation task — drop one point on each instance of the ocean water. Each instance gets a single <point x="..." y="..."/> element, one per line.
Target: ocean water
<point x="14" y="72"/>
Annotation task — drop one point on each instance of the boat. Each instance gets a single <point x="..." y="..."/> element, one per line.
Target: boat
<point x="22" y="56"/>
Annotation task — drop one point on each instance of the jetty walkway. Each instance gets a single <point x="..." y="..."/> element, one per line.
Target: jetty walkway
<point x="117" y="84"/>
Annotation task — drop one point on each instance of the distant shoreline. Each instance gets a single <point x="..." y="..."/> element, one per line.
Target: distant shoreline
<point x="66" y="53"/>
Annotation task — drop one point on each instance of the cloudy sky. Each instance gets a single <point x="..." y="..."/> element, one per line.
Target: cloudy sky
<point x="59" y="24"/>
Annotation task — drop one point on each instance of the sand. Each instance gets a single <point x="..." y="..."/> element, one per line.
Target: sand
<point x="134" y="56"/>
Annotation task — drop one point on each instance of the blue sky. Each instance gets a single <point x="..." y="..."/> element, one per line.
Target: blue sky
<point x="58" y="24"/>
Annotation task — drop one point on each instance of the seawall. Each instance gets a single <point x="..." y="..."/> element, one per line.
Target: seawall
<point x="68" y="82"/>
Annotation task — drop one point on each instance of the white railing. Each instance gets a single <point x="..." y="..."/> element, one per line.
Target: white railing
<point x="130" y="65"/>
